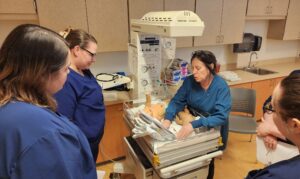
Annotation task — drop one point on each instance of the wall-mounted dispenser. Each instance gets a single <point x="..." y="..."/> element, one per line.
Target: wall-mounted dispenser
<point x="250" y="43"/>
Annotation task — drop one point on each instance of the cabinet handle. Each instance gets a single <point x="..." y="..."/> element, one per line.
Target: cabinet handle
<point x="222" y="39"/>
<point x="219" y="39"/>
<point x="35" y="6"/>
<point x="267" y="10"/>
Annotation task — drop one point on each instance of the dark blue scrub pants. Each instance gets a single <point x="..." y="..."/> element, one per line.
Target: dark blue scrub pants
<point x="211" y="169"/>
<point x="94" y="145"/>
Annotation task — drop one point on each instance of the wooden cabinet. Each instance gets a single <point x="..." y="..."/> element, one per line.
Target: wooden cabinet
<point x="220" y="16"/>
<point x="108" y="23"/>
<point x="244" y="85"/>
<point x="263" y="90"/>
<point x="277" y="80"/>
<point x="111" y="146"/>
<point x="176" y="5"/>
<point x="17" y="7"/>
<point x="233" y="21"/>
<point x="138" y="8"/>
<point x="18" y="10"/>
<point x="289" y="28"/>
<point x="59" y="15"/>
<point x="106" y="20"/>
<point x="210" y="11"/>
<point x="267" y="9"/>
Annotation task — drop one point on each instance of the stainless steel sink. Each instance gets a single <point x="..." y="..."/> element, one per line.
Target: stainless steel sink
<point x="259" y="71"/>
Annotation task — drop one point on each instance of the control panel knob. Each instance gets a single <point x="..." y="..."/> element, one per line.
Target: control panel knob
<point x="144" y="69"/>
<point x="144" y="82"/>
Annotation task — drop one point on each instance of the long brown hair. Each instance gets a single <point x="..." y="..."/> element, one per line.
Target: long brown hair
<point x="28" y="56"/>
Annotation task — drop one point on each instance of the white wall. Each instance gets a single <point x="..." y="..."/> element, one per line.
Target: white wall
<point x="117" y="61"/>
<point x="270" y="49"/>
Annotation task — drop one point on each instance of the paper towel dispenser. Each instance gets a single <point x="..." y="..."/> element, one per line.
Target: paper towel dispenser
<point x="250" y="43"/>
<point x="257" y="43"/>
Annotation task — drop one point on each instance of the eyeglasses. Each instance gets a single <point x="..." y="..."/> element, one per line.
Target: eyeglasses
<point x="92" y="54"/>
<point x="269" y="109"/>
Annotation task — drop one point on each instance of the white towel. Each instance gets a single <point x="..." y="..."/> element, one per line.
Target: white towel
<point x="229" y="75"/>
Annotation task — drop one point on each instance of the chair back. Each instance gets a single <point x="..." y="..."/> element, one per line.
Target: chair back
<point x="243" y="100"/>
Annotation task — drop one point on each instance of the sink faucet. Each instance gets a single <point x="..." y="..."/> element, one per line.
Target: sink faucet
<point x="249" y="64"/>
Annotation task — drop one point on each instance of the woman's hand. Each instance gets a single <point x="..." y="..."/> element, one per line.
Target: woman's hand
<point x="185" y="131"/>
<point x="166" y="123"/>
<point x="270" y="142"/>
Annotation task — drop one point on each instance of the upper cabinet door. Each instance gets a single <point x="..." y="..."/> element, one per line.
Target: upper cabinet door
<point x="289" y="28"/>
<point x="58" y="15"/>
<point x="17" y="6"/>
<point x="292" y="25"/>
<point x="108" y="22"/>
<point x="210" y="11"/>
<point x="138" y="8"/>
<point x="224" y="21"/>
<point x="233" y="21"/>
<point x="279" y="7"/>
<point x="179" y="5"/>
<point x="267" y="9"/>
<point x="258" y="7"/>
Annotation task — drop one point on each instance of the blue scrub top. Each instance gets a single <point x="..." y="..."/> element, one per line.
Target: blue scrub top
<point x="286" y="169"/>
<point x="81" y="100"/>
<point x="216" y="101"/>
<point x="38" y="143"/>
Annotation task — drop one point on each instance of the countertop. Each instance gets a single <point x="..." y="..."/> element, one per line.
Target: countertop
<point x="283" y="67"/>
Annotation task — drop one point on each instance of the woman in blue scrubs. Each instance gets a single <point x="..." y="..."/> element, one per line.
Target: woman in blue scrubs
<point x="36" y="142"/>
<point x="205" y="92"/>
<point x="266" y="128"/>
<point x="81" y="98"/>
<point x="286" y="115"/>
